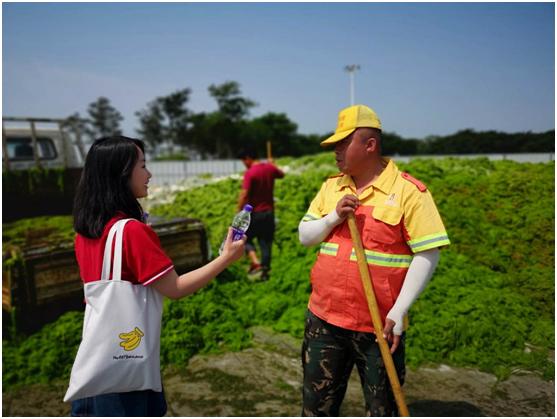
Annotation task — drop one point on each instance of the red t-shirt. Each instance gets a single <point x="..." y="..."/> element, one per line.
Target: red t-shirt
<point x="143" y="259"/>
<point x="259" y="181"/>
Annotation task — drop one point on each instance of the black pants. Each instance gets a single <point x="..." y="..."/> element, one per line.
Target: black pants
<point x="328" y="356"/>
<point x="262" y="228"/>
<point x="133" y="403"/>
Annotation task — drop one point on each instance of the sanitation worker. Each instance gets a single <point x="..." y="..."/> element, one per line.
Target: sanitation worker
<point x="401" y="232"/>
<point x="257" y="190"/>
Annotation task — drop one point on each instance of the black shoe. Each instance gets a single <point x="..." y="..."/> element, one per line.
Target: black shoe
<point x="265" y="273"/>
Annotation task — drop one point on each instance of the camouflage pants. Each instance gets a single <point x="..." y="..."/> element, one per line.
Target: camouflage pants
<point x="328" y="356"/>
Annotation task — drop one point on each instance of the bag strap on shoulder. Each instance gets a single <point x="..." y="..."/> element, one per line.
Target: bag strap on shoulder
<point x="107" y="257"/>
<point x="116" y="233"/>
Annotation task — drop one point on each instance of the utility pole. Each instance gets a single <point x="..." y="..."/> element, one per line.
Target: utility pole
<point x="352" y="68"/>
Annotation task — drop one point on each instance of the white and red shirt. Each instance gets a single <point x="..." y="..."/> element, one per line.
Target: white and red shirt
<point x="143" y="259"/>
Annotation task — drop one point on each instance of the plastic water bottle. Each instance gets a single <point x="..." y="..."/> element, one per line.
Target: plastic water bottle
<point x="240" y="225"/>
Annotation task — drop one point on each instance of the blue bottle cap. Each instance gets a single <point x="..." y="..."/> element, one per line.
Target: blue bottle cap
<point x="248" y="208"/>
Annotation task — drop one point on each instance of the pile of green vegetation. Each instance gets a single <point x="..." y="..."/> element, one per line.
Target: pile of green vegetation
<point x="52" y="229"/>
<point x="30" y="180"/>
<point x="490" y="304"/>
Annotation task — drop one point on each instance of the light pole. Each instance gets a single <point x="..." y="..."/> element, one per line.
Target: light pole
<point x="351" y="70"/>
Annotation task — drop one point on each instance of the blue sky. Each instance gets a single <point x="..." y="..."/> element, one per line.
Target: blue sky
<point x="426" y="68"/>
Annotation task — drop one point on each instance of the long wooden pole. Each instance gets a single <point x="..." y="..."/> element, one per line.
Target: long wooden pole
<point x="376" y="317"/>
<point x="269" y="154"/>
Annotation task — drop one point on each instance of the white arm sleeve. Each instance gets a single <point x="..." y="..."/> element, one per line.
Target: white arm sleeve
<point x="313" y="232"/>
<point x="419" y="273"/>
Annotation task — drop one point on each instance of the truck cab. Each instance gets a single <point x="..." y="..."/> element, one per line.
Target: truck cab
<point x="41" y="143"/>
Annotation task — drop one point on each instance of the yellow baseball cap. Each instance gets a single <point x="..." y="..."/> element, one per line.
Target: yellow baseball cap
<point x="357" y="116"/>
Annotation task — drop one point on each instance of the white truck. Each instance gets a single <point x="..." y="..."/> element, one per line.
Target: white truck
<point x="40" y="142"/>
<point x="30" y="145"/>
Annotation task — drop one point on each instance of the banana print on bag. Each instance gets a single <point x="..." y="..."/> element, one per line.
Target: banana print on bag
<point x="131" y="340"/>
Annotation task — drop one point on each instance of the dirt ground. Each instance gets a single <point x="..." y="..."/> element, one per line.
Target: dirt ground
<point x="265" y="380"/>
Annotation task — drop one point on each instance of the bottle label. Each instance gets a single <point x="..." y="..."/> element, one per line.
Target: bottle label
<point x="237" y="234"/>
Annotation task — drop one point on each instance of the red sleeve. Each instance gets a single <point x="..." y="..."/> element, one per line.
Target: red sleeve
<point x="143" y="255"/>
<point x="246" y="183"/>
<point x="278" y="173"/>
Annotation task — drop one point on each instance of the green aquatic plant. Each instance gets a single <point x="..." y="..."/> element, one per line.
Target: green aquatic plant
<point x="490" y="304"/>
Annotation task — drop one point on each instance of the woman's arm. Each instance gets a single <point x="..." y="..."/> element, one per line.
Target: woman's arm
<point x="176" y="286"/>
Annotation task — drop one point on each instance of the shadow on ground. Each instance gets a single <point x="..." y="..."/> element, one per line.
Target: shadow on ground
<point x="431" y="408"/>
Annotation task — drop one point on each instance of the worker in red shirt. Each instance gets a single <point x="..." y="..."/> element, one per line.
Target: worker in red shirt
<point x="257" y="190"/>
<point x="401" y="232"/>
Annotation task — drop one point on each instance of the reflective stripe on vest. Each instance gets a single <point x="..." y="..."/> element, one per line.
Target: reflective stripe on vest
<point x="384" y="259"/>
<point x="330" y="249"/>
<point x="425" y="242"/>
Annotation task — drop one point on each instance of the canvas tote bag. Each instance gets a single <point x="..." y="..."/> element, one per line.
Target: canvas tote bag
<point x="120" y="346"/>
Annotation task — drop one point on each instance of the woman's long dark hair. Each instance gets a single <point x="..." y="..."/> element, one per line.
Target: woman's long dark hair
<point x="104" y="187"/>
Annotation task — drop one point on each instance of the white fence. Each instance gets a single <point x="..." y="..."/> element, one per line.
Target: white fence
<point x="171" y="172"/>
<point x="518" y="157"/>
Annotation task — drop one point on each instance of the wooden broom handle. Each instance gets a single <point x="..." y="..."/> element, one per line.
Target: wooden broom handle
<point x="376" y="317"/>
<point x="269" y="154"/>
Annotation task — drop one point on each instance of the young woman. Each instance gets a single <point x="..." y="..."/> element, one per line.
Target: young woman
<point x="113" y="177"/>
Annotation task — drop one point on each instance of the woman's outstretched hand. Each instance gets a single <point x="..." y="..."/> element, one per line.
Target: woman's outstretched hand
<point x="233" y="250"/>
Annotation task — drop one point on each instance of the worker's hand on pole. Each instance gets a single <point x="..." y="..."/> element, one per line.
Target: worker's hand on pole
<point x="388" y="334"/>
<point x="347" y="205"/>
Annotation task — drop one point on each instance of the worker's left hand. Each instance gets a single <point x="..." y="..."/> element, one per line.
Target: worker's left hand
<point x="388" y="334"/>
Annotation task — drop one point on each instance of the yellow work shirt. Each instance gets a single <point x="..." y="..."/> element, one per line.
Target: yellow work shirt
<point x="393" y="196"/>
<point x="397" y="217"/>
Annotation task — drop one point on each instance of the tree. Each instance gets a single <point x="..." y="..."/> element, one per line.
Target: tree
<point x="176" y="115"/>
<point x="468" y="141"/>
<point x="77" y="126"/>
<point x="76" y="123"/>
<point x="275" y="127"/>
<point x="205" y="131"/>
<point x="223" y="130"/>
<point x="233" y="106"/>
<point x="104" y="119"/>
<point x="150" y="121"/>
<point x="166" y="119"/>
<point x="392" y="144"/>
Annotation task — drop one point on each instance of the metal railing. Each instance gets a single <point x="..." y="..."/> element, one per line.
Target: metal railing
<point x="171" y="172"/>
<point x="517" y="157"/>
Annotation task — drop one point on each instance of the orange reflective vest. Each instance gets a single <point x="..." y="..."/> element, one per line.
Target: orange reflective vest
<point x="337" y="292"/>
<point x="396" y="218"/>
